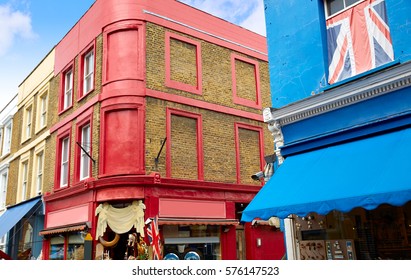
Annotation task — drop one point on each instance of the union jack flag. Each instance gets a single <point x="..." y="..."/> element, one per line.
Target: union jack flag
<point x="358" y="40"/>
<point x="154" y="238"/>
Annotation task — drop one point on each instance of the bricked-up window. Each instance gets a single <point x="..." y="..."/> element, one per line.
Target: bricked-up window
<point x="249" y="152"/>
<point x="183" y="63"/>
<point x="184" y="145"/>
<point x="245" y="81"/>
<point x="64" y="163"/>
<point x="87" y="72"/>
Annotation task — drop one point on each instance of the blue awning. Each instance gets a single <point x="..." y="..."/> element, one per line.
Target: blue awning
<point x="14" y="214"/>
<point x="363" y="173"/>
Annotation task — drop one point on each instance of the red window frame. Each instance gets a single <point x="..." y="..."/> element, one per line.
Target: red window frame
<point x="243" y="101"/>
<point x="200" y="159"/>
<point x="64" y="132"/>
<point x="176" y="84"/>
<point x="85" y="119"/>
<point x="68" y="68"/>
<point x="237" y="127"/>
<point x="87" y="50"/>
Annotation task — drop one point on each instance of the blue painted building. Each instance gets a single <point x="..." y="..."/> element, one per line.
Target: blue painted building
<point x="340" y="75"/>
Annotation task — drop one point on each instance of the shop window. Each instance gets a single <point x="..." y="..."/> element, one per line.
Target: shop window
<point x="194" y="242"/>
<point x="26" y="242"/>
<point x="3" y="241"/>
<point x="67" y="247"/>
<point x="382" y="233"/>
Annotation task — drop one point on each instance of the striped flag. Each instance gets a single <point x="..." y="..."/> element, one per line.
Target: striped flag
<point x="154" y="238"/>
<point x="358" y="40"/>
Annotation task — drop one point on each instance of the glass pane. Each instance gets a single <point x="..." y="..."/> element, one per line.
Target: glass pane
<point x="350" y="2"/>
<point x="334" y="6"/>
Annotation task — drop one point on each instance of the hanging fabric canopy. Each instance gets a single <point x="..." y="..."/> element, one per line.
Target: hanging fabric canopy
<point x="120" y="220"/>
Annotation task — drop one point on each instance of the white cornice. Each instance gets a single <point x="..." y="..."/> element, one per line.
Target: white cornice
<point x="368" y="87"/>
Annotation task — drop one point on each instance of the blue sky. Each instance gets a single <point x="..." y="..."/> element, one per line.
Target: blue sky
<point x="29" y="29"/>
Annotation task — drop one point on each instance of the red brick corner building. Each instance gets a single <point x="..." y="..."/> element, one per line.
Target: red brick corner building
<point x="158" y="113"/>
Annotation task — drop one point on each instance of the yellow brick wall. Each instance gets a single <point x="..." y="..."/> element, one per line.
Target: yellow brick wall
<point x="184" y="147"/>
<point x="218" y="128"/>
<point x="183" y="62"/>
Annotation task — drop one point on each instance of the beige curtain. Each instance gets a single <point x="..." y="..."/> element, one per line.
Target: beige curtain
<point x="120" y="220"/>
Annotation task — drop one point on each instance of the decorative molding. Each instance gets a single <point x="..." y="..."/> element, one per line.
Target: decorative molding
<point x="384" y="82"/>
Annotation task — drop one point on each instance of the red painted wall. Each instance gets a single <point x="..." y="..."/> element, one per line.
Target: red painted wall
<point x="272" y="243"/>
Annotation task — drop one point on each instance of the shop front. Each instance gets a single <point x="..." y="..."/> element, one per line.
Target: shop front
<point x="19" y="229"/>
<point x="345" y="201"/>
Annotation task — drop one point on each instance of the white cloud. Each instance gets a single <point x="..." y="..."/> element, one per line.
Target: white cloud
<point x="248" y="14"/>
<point x="13" y="24"/>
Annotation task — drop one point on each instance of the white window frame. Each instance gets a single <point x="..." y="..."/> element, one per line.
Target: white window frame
<point x="88" y="75"/>
<point x="42" y="106"/>
<point x="4" y="176"/>
<point x="8" y="130"/>
<point x="28" y="122"/>
<point x="39" y="171"/>
<point x="84" y="158"/>
<point x="64" y="162"/>
<point x="346" y="6"/>
<point x="24" y="179"/>
<point x="68" y="89"/>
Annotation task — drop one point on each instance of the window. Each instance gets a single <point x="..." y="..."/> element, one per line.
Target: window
<point x="3" y="188"/>
<point x="67" y="247"/>
<point x="42" y="110"/>
<point x="28" y="113"/>
<point x="3" y="241"/>
<point x="335" y="6"/>
<point x="24" y="181"/>
<point x="39" y="171"/>
<point x="358" y="38"/>
<point x="68" y="89"/>
<point x="88" y="75"/>
<point x="7" y="138"/>
<point x="64" y="167"/>
<point x="85" y="152"/>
